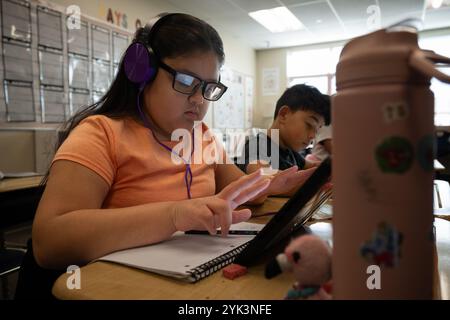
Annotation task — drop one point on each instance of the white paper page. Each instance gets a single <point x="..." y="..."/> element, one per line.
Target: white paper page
<point x="248" y="226"/>
<point x="179" y="254"/>
<point x="324" y="212"/>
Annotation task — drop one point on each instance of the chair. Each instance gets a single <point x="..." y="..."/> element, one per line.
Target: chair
<point x="442" y="154"/>
<point x="10" y="262"/>
<point x="34" y="281"/>
<point x="442" y="144"/>
<point x="441" y="197"/>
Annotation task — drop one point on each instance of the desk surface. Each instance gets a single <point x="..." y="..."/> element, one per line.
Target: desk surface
<point x="103" y="280"/>
<point x="12" y="184"/>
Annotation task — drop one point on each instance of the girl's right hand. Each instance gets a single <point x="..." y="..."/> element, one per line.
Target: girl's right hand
<point x="217" y="211"/>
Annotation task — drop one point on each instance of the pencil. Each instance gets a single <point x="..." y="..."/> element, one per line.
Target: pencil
<point x="235" y="232"/>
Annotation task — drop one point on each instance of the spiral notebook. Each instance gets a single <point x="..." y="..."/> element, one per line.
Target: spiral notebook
<point x="187" y="257"/>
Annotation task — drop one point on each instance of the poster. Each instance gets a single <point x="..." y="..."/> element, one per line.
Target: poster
<point x="270" y="81"/>
<point x="248" y="102"/>
<point x="229" y="111"/>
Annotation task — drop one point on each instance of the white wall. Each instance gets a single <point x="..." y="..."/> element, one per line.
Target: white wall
<point x="265" y="104"/>
<point x="239" y="56"/>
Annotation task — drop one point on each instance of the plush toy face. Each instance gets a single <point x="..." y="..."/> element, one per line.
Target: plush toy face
<point x="310" y="258"/>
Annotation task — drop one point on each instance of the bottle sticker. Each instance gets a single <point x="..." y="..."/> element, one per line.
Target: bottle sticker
<point x="394" y="111"/>
<point x="384" y="247"/>
<point x="367" y="184"/>
<point x="426" y="152"/>
<point x="394" y="155"/>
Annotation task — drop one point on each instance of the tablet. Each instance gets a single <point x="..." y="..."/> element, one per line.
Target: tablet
<point x="289" y="221"/>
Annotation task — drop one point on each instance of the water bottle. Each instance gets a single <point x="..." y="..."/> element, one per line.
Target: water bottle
<point x="383" y="152"/>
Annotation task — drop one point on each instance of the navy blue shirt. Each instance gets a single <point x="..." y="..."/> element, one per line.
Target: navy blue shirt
<point x="260" y="147"/>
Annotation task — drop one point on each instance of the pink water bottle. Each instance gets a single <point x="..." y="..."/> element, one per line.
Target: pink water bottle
<point x="383" y="141"/>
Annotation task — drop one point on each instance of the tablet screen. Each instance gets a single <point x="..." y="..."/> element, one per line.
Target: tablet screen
<point x="291" y="217"/>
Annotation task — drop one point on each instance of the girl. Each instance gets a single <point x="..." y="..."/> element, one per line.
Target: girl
<point x="114" y="184"/>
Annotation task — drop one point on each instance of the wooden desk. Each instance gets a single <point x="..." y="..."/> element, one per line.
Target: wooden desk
<point x="103" y="280"/>
<point x="12" y="184"/>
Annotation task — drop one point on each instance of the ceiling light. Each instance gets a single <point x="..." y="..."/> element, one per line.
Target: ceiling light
<point x="436" y="4"/>
<point x="278" y="19"/>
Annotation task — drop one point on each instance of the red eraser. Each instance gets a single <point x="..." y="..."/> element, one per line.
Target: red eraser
<point x="328" y="287"/>
<point x="233" y="271"/>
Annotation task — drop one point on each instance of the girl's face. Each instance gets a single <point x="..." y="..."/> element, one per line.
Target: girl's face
<point x="170" y="110"/>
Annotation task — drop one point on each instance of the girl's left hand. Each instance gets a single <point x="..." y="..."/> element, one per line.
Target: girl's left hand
<point x="285" y="181"/>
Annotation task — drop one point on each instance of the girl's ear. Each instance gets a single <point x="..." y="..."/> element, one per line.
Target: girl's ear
<point x="283" y="113"/>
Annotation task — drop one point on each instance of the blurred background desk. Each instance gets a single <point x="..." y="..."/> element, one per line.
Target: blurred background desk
<point x="12" y="184"/>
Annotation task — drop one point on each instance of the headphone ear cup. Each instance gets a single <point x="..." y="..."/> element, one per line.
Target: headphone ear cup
<point x="139" y="64"/>
<point x="153" y="66"/>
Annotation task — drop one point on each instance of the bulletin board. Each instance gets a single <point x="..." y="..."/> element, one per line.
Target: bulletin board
<point x="234" y="110"/>
<point x="48" y="70"/>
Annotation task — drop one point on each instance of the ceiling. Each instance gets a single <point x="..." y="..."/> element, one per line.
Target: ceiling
<point x="324" y="20"/>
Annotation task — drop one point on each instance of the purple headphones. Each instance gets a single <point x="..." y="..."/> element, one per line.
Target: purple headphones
<point x="140" y="61"/>
<point x="141" y="65"/>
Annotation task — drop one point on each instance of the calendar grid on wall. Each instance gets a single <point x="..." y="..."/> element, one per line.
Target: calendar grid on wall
<point x="49" y="71"/>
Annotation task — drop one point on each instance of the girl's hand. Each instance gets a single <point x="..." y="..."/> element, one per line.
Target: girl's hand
<point x="217" y="211"/>
<point x="285" y="181"/>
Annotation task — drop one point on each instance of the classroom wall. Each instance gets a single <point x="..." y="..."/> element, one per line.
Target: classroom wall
<point x="143" y="10"/>
<point x="26" y="150"/>
<point x="30" y="150"/>
<point x="239" y="56"/>
<point x="275" y="58"/>
<point x="265" y="104"/>
<point x="17" y="151"/>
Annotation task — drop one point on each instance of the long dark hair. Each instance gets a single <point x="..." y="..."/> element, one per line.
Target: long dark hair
<point x="177" y="35"/>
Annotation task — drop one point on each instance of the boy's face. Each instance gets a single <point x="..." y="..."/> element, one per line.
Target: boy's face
<point x="298" y="128"/>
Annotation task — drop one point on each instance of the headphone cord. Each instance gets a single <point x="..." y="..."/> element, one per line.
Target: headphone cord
<point x="188" y="176"/>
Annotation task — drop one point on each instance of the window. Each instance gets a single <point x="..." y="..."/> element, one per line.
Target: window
<point x="315" y="67"/>
<point x="441" y="45"/>
<point x="320" y="82"/>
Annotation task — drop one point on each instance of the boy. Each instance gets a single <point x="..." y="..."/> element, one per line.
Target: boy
<point x="322" y="142"/>
<point x="299" y="113"/>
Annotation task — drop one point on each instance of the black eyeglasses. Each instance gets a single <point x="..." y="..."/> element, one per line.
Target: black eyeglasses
<point x="188" y="84"/>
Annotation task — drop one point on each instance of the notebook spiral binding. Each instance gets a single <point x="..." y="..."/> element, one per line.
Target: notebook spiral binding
<point x="214" y="265"/>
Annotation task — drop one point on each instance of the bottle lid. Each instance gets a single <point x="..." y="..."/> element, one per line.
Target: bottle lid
<point x="380" y="57"/>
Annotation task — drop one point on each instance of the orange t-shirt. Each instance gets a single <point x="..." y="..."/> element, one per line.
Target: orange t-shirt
<point x="137" y="169"/>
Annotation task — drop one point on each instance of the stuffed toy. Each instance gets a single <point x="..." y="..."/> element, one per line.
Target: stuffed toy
<point x="309" y="259"/>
